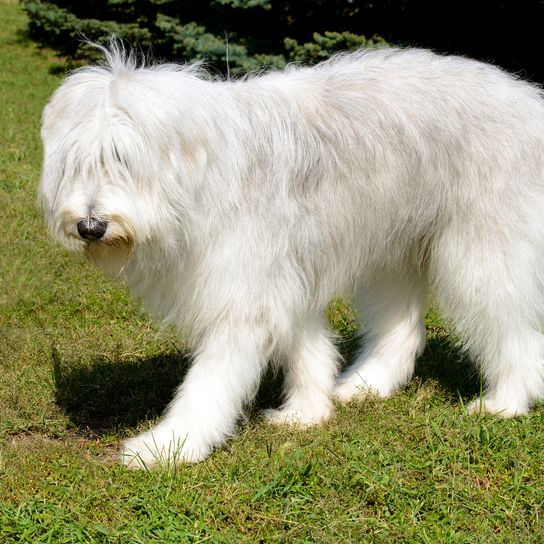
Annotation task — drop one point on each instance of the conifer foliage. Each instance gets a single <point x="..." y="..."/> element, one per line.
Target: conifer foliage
<point x="243" y="34"/>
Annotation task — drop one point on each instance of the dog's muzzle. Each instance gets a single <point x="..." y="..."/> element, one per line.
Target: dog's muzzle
<point x="92" y="228"/>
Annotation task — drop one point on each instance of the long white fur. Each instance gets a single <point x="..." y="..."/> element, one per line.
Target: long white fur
<point x="237" y="209"/>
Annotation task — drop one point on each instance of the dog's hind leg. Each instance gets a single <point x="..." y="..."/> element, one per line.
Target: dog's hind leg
<point x="223" y="378"/>
<point x="394" y="335"/>
<point x="486" y="282"/>
<point x="310" y="368"/>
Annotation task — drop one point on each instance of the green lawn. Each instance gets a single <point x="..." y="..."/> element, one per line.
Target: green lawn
<point x="81" y="367"/>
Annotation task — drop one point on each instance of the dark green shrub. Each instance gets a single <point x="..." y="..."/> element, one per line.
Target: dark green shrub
<point x="245" y="34"/>
<point x="273" y="32"/>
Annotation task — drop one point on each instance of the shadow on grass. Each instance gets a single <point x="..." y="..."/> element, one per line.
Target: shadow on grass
<point x="452" y="369"/>
<point x="22" y="37"/>
<point x="107" y="395"/>
<point x="442" y="362"/>
<point x="59" y="67"/>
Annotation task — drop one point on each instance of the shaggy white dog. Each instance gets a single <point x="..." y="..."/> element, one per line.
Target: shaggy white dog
<point x="237" y="209"/>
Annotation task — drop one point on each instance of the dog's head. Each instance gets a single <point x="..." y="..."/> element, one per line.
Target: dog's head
<point x="89" y="187"/>
<point x="112" y="168"/>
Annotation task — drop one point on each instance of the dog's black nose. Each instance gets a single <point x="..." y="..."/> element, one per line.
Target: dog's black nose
<point x="91" y="228"/>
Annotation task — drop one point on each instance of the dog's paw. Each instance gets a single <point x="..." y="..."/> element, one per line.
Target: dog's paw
<point x="496" y="407"/>
<point x="297" y="418"/>
<point x="358" y="386"/>
<point x="161" y="446"/>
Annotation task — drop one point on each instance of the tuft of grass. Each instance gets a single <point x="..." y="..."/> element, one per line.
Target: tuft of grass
<point x="81" y="367"/>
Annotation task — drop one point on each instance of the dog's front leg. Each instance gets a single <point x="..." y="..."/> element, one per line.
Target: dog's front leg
<point x="224" y="376"/>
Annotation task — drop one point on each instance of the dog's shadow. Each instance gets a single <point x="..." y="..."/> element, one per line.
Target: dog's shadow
<point x="105" y="395"/>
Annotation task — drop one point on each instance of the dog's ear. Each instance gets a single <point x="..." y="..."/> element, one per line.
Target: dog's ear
<point x="51" y="168"/>
<point x="54" y="164"/>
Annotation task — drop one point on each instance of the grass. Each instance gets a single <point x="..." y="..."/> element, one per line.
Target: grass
<point x="81" y="368"/>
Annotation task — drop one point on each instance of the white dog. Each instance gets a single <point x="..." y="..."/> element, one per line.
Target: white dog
<point x="237" y="209"/>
